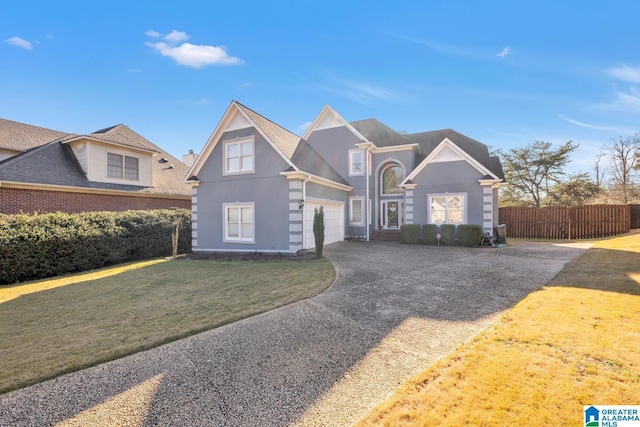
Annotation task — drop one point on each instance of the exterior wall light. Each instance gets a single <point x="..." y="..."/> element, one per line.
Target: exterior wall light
<point x="301" y="204"/>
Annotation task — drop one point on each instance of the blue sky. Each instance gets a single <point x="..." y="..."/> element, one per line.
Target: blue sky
<point x="503" y="72"/>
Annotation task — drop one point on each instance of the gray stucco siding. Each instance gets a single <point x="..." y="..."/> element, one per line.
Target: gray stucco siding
<point x="448" y="177"/>
<point x="264" y="187"/>
<point x="333" y="145"/>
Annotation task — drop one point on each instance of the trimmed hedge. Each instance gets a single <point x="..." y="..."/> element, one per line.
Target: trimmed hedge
<point x="430" y="234"/>
<point x="39" y="246"/>
<point x="469" y="235"/>
<point x="410" y="233"/>
<point x="448" y="232"/>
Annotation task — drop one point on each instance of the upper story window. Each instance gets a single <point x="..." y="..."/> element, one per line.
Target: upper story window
<point x="448" y="208"/>
<point x="119" y="166"/>
<point x="391" y="177"/>
<point x="356" y="162"/>
<point x="238" y="156"/>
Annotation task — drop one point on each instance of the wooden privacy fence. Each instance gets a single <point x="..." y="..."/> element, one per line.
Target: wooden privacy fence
<point x="558" y="222"/>
<point x="635" y="216"/>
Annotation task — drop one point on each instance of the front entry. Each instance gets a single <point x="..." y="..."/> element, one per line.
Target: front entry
<point x="391" y="214"/>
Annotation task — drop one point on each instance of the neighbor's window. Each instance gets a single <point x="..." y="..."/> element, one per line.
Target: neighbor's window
<point x="356" y="211"/>
<point x="239" y="222"/>
<point x="356" y="161"/>
<point x="238" y="156"/>
<point x="119" y="166"/>
<point x="449" y="208"/>
<point x="392" y="176"/>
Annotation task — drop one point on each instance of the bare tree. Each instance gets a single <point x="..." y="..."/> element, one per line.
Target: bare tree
<point x="599" y="169"/>
<point x="623" y="153"/>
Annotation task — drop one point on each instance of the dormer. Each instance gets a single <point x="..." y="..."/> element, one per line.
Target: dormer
<point x="114" y="155"/>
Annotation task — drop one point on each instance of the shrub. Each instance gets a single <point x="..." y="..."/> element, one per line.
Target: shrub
<point x="430" y="234"/>
<point x="318" y="230"/>
<point x="469" y="235"/>
<point x="38" y="246"/>
<point x="410" y="233"/>
<point x="448" y="232"/>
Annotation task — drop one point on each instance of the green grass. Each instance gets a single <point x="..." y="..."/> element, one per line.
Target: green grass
<point x="572" y="343"/>
<point x="51" y="327"/>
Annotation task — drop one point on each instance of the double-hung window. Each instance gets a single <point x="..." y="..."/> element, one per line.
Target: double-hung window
<point x="239" y="156"/>
<point x="239" y="223"/>
<point x="447" y="208"/>
<point x="119" y="166"/>
<point x="356" y="162"/>
<point x="356" y="211"/>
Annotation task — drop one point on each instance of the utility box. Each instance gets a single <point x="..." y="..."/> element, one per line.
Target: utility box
<point x="500" y="233"/>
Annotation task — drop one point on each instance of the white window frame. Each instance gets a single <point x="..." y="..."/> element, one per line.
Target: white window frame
<point x="362" y="209"/>
<point x="225" y="222"/>
<point x="465" y="206"/>
<point x="352" y="153"/>
<point x="389" y="166"/>
<point x="238" y="142"/>
<point x="123" y="162"/>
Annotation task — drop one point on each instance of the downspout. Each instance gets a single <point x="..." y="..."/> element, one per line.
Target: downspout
<point x="368" y="204"/>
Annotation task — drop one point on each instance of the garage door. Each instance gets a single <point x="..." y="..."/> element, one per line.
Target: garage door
<point x="333" y="223"/>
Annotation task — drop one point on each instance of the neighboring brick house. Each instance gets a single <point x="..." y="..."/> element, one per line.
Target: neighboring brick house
<point x="112" y="169"/>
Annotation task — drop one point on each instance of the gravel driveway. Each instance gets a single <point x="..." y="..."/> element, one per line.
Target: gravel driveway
<point x="393" y="310"/>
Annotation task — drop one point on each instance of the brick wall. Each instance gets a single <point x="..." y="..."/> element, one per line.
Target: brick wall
<point x="14" y="200"/>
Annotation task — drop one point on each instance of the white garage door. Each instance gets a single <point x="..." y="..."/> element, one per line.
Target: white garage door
<point x="333" y="223"/>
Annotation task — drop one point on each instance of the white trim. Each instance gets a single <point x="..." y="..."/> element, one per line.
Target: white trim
<point x="217" y="133"/>
<point x="239" y="141"/>
<point x="316" y="180"/>
<point x="124" y="167"/>
<point x="351" y="163"/>
<point x="388" y="165"/>
<point x="69" y="189"/>
<point x="362" y="211"/>
<point x="447" y="143"/>
<point x="465" y="206"/>
<point x="128" y="147"/>
<point x="393" y="148"/>
<point x="225" y="231"/>
<point x="328" y="110"/>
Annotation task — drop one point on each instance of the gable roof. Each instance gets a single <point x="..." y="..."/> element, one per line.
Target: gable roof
<point x="330" y="115"/>
<point x="120" y="135"/>
<point x="18" y="136"/>
<point x="380" y="134"/>
<point x="294" y="150"/>
<point x="428" y="141"/>
<point x="54" y="163"/>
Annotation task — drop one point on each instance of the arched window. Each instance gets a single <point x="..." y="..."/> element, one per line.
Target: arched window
<point x="391" y="177"/>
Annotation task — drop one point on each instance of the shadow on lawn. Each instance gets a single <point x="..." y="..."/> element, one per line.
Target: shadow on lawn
<point x="415" y="302"/>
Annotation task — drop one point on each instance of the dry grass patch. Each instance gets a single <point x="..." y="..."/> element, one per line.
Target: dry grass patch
<point x="573" y="343"/>
<point x="51" y="327"/>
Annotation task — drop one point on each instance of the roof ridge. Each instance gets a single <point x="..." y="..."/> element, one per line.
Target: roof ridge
<point x="33" y="126"/>
<point x="265" y="118"/>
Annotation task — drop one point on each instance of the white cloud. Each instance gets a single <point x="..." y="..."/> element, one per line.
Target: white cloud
<point x="201" y="101"/>
<point x="623" y="102"/>
<point x="195" y="56"/>
<point x="49" y="36"/>
<point x="152" y="33"/>
<point x="175" y="37"/>
<point x="243" y="85"/>
<point x="504" y="52"/>
<point x="19" y="42"/>
<point x="626" y="73"/>
<point x="591" y="126"/>
<point x="364" y="93"/>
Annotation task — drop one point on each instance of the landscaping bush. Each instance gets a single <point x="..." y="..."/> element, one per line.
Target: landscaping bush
<point x="38" y="246"/>
<point x="469" y="235"/>
<point x="430" y="234"/>
<point x="448" y="232"/>
<point x="410" y="233"/>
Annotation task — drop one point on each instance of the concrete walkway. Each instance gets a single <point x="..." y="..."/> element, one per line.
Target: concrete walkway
<point x="393" y="310"/>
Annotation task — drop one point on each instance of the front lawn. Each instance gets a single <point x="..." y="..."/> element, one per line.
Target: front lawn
<point x="50" y="327"/>
<point x="573" y="343"/>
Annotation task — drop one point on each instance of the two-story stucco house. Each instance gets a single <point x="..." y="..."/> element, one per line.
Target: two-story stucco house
<point x="256" y="185"/>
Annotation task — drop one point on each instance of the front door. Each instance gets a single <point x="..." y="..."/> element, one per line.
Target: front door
<point x="391" y="214"/>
